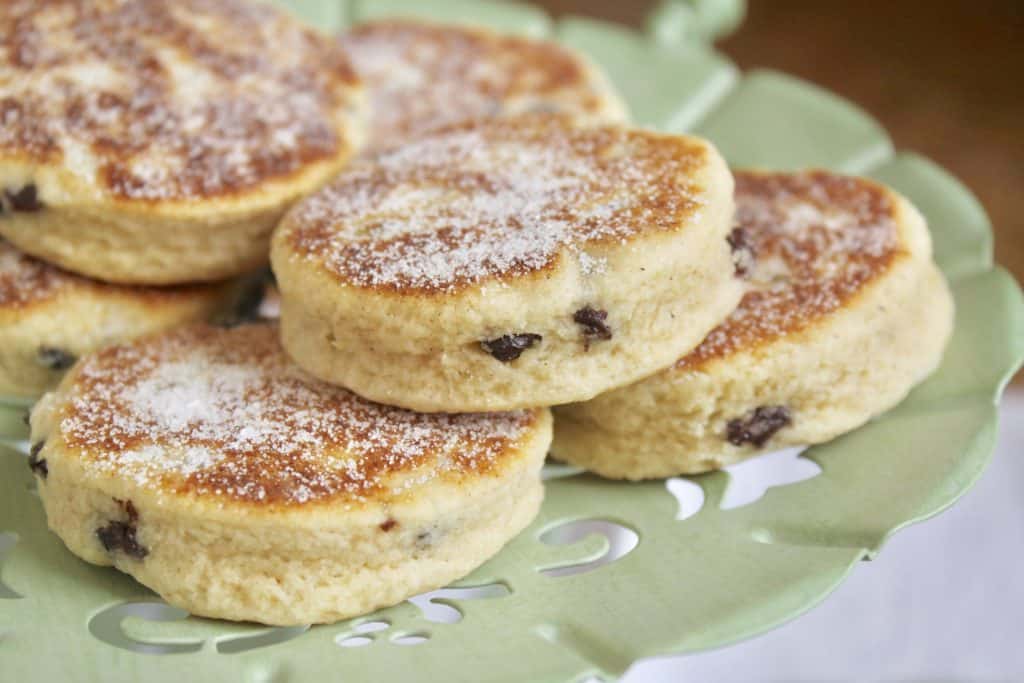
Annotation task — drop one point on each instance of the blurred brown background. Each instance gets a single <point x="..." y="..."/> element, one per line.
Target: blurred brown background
<point x="945" y="78"/>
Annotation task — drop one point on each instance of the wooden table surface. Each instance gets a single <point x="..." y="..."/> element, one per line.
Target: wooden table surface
<point x="946" y="79"/>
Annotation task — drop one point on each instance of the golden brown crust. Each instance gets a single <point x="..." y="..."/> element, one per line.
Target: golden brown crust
<point x="423" y="76"/>
<point x="223" y="414"/>
<point x="26" y="281"/>
<point x="494" y="201"/>
<point x="163" y="101"/>
<point x="817" y="240"/>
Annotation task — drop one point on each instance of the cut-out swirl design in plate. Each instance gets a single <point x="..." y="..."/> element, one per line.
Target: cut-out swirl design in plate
<point x="610" y="572"/>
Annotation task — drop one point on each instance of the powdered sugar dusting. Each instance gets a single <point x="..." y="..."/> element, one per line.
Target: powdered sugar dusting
<point x="590" y="265"/>
<point x="184" y="461"/>
<point x="223" y="413"/>
<point x="495" y="199"/>
<point x="818" y="239"/>
<point x="422" y="76"/>
<point x="24" y="279"/>
<point x="169" y="100"/>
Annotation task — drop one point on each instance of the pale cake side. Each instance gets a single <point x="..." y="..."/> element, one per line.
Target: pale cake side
<point x="508" y="263"/>
<point x="844" y="313"/>
<point x="50" y="317"/>
<point x="153" y="143"/>
<point x="206" y="465"/>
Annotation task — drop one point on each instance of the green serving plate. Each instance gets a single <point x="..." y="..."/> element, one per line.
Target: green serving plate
<point x="13" y="414"/>
<point x="610" y="572"/>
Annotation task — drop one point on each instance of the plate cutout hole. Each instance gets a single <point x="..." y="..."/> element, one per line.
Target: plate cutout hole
<point x="362" y="634"/>
<point x="371" y="626"/>
<point x="688" y="494"/>
<point x="107" y="625"/>
<point x="436" y="605"/>
<point x="620" y="541"/>
<point x="354" y="641"/>
<point x="417" y="638"/>
<point x="273" y="636"/>
<point x="750" y="479"/>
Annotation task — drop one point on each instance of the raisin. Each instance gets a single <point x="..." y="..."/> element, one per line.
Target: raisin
<point x="594" y="324"/>
<point x="35" y="463"/>
<point x="121" y="535"/>
<point x="511" y="346"/>
<point x="54" y="358"/>
<point x="388" y="524"/>
<point x="129" y="509"/>
<point x="117" y="536"/>
<point x="743" y="254"/>
<point x="758" y="426"/>
<point x="24" y="199"/>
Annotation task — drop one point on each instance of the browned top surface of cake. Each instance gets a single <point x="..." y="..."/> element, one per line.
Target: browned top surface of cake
<point x="160" y="100"/>
<point x="818" y="238"/>
<point x="223" y="413"/>
<point x="494" y="200"/>
<point x="25" y="281"/>
<point x="421" y="76"/>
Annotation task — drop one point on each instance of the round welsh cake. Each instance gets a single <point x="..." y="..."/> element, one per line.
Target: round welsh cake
<point x="49" y="317"/>
<point x="207" y="466"/>
<point x="160" y="142"/>
<point x="421" y="76"/>
<point x="844" y="313"/>
<point x="514" y="262"/>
